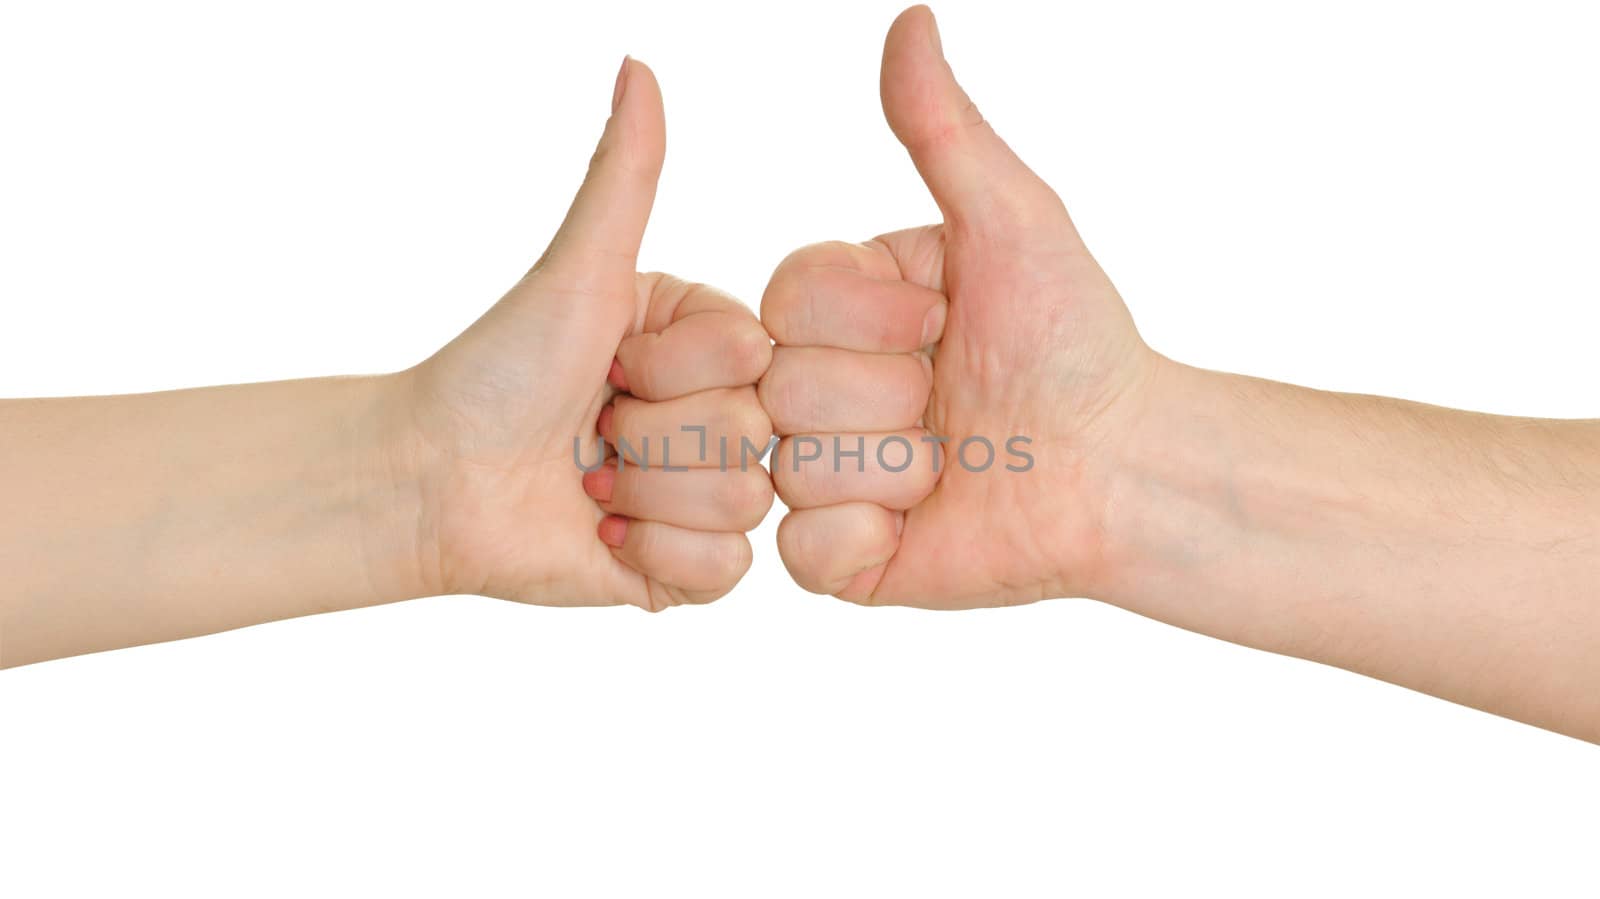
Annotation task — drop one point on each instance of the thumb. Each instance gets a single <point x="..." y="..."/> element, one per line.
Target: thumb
<point x="608" y="216"/>
<point x="972" y="174"/>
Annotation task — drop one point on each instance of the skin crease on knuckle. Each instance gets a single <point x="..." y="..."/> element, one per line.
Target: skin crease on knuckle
<point x="824" y="553"/>
<point x="901" y="390"/>
<point x="742" y="555"/>
<point x="788" y="479"/>
<point x="725" y="349"/>
<point x="813" y="288"/>
<point x="862" y="390"/>
<point x="786" y="304"/>
<point x="727" y="557"/>
<point x="802" y="555"/>
<point x="789" y="399"/>
<point x="815" y="482"/>
<point x="921" y="482"/>
<point x="745" y="497"/>
<point x="746" y="419"/>
<point x="729" y="415"/>
<point x="872" y="310"/>
<point x="749" y="350"/>
<point x="808" y="303"/>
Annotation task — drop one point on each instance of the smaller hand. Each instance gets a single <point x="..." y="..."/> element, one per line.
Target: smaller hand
<point x="583" y="347"/>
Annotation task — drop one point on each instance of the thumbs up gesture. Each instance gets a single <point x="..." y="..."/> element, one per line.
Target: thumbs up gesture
<point x="951" y="398"/>
<point x="582" y="357"/>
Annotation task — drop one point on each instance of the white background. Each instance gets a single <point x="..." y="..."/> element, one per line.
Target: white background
<point x="1390" y="198"/>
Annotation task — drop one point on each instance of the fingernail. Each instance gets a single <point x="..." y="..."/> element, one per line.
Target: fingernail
<point x="932" y="324"/>
<point x="603" y="424"/>
<point x="600" y="482"/>
<point x="615" y="377"/>
<point x="622" y="85"/>
<point x="933" y="29"/>
<point x="613" y="529"/>
<point x="900" y="524"/>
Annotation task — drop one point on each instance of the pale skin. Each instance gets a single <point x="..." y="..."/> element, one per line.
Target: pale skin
<point x="135" y="519"/>
<point x="1454" y="553"/>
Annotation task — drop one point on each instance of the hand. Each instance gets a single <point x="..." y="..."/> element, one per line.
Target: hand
<point x="493" y="417"/>
<point x="995" y="326"/>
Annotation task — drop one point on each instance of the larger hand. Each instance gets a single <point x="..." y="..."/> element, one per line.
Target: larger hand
<point x="995" y="328"/>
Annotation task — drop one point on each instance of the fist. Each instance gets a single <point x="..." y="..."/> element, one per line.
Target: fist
<point x="951" y="398"/>
<point x="514" y="425"/>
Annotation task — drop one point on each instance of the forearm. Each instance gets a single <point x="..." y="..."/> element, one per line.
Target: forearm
<point x="136" y="519"/>
<point x="1451" y="552"/>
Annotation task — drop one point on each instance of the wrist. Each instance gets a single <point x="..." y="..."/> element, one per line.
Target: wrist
<point x="1165" y="497"/>
<point x="1223" y="499"/>
<point x="394" y="471"/>
<point x="1094" y="503"/>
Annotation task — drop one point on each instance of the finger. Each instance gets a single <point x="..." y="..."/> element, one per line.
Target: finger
<point x="709" y="429"/>
<point x="704" y="499"/>
<point x="692" y="566"/>
<point x="809" y="390"/>
<point x="850" y="296"/>
<point x="840" y="550"/>
<point x="607" y="218"/>
<point x="895" y="470"/>
<point x="695" y="338"/>
<point x="975" y="178"/>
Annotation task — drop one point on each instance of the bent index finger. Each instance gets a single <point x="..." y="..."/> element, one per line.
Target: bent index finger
<point x="853" y="297"/>
<point x="694" y="338"/>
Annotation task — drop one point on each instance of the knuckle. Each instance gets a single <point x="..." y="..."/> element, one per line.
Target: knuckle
<point x="729" y="558"/>
<point x="781" y="314"/>
<point x="744" y="498"/>
<point x="743" y="557"/>
<point x="749" y="351"/>
<point x="787" y="395"/>
<point x="767" y="396"/>
<point x="631" y="153"/>
<point x="747" y="418"/>
<point x="916" y="385"/>
<point x="784" y="478"/>
<point x="758" y="501"/>
<point x="603" y="153"/>
<point x="797" y="547"/>
<point x="785" y="305"/>
<point x="923" y="479"/>
<point x="785" y="490"/>
<point x="799" y="260"/>
<point x="778" y="289"/>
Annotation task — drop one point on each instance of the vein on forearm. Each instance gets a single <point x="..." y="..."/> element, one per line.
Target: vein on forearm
<point x="1452" y="551"/>
<point x="139" y="518"/>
